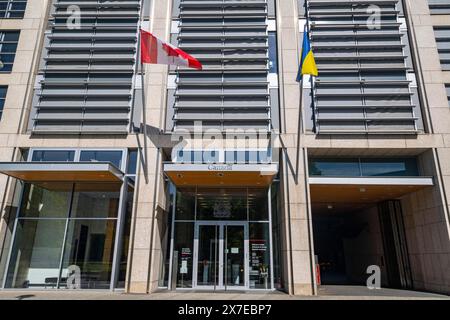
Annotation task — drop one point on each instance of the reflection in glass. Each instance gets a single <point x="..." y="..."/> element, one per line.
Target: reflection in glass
<point x="183" y="254"/>
<point x="276" y="236"/>
<point x="46" y="200"/>
<point x="90" y="246"/>
<point x="234" y="256"/>
<point x="365" y="167"/>
<point x="259" y="255"/>
<point x="389" y="167"/>
<point x="334" y="167"/>
<point x="36" y="254"/>
<point x="222" y="204"/>
<point x="125" y="239"/>
<point x="185" y="207"/>
<point x="53" y="155"/>
<point x="96" y="200"/>
<point x="132" y="161"/>
<point x="115" y="157"/>
<point x="208" y="256"/>
<point x="258" y="205"/>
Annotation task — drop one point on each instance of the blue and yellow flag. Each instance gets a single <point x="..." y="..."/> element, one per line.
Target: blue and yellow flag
<point x="308" y="64"/>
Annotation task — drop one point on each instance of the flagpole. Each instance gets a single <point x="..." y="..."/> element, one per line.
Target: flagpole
<point x="144" y="115"/>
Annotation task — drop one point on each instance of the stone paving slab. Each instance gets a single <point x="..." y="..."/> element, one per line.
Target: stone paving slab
<point x="325" y="293"/>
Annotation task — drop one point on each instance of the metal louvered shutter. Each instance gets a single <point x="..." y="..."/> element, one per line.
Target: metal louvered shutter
<point x="439" y="6"/>
<point x="230" y="38"/>
<point x="442" y="35"/>
<point x="87" y="71"/>
<point x="364" y="85"/>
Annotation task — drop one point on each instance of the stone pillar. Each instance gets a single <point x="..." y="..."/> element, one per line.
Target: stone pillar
<point x="145" y="249"/>
<point x="297" y="271"/>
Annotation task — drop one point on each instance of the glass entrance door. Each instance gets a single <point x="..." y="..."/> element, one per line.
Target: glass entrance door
<point x="221" y="255"/>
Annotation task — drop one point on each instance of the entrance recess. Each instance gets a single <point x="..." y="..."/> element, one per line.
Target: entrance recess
<point x="221" y="255"/>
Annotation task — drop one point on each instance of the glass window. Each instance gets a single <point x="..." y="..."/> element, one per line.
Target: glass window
<point x="334" y="167"/>
<point x="115" y="157"/>
<point x="36" y="253"/>
<point x="3" y="91"/>
<point x="96" y="200"/>
<point x="273" y="53"/>
<point x="222" y="204"/>
<point x="365" y="167"/>
<point x="132" y="161"/>
<point x="183" y="253"/>
<point x="90" y="246"/>
<point x="258" y="205"/>
<point x="125" y="241"/>
<point x="48" y="200"/>
<point x="389" y="167"/>
<point x="185" y="206"/>
<point x="259" y="243"/>
<point x="8" y="47"/>
<point x="53" y="155"/>
<point x="12" y="9"/>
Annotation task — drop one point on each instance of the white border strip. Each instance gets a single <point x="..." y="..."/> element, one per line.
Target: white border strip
<point x="388" y="181"/>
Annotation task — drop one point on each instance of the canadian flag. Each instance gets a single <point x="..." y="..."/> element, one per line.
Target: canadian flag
<point x="155" y="51"/>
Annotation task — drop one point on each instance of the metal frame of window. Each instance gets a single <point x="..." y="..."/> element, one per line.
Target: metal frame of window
<point x="9" y="8"/>
<point x="119" y="225"/>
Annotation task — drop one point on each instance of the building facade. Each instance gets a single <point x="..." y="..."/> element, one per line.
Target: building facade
<point x="119" y="176"/>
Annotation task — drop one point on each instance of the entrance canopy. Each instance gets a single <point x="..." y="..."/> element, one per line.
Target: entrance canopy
<point x="232" y="175"/>
<point x="62" y="171"/>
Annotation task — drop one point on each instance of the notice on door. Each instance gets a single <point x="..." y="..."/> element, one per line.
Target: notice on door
<point x="184" y="267"/>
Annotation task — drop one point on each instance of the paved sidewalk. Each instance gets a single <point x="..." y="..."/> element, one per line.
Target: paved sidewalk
<point x="325" y="293"/>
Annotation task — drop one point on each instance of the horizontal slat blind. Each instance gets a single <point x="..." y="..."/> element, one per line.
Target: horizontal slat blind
<point x="363" y="85"/>
<point x="439" y="6"/>
<point x="230" y="38"/>
<point x="442" y="35"/>
<point x="87" y="71"/>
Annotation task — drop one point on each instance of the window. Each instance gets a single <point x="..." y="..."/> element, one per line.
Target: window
<point x="88" y="243"/>
<point x="112" y="156"/>
<point x="3" y="91"/>
<point x="447" y="90"/>
<point x="8" y="47"/>
<point x="12" y="9"/>
<point x="273" y="53"/>
<point x="53" y="155"/>
<point x="61" y="225"/>
<point x="115" y="157"/>
<point x="368" y="167"/>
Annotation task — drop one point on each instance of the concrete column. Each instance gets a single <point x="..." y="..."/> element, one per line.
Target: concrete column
<point x="428" y="219"/>
<point x="145" y="248"/>
<point x="296" y="254"/>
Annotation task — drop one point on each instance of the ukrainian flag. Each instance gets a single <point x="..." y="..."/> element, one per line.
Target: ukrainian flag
<point x="308" y="64"/>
